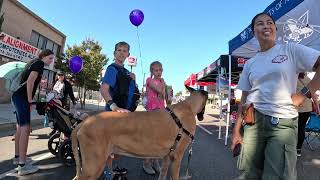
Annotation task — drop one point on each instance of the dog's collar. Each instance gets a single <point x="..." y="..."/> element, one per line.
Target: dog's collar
<point x="178" y="122"/>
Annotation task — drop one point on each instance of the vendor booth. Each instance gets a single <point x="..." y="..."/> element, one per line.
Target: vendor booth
<point x="211" y="72"/>
<point x="225" y="72"/>
<point x="191" y="81"/>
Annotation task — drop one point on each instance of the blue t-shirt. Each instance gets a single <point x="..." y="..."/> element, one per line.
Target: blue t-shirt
<point x="110" y="78"/>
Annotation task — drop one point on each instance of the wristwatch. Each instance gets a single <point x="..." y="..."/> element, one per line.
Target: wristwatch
<point x="306" y="92"/>
<point x="110" y="103"/>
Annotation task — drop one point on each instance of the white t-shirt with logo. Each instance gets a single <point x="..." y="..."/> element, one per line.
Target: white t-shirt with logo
<point x="58" y="88"/>
<point x="270" y="77"/>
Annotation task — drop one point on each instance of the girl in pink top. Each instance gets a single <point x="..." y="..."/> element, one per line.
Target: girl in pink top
<point x="155" y="87"/>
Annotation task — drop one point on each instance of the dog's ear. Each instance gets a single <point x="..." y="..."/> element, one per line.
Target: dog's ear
<point x="190" y="89"/>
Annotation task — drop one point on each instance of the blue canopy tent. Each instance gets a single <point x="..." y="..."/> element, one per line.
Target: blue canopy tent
<point x="298" y="21"/>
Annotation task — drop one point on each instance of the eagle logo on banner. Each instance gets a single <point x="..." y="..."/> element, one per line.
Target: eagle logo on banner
<point x="297" y="30"/>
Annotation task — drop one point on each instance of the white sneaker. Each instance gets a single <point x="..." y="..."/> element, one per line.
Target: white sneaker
<point x="16" y="160"/>
<point x="156" y="165"/>
<point x="27" y="169"/>
<point x="148" y="169"/>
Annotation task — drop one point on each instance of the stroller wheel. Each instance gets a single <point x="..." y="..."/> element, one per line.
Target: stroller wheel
<point x="53" y="143"/>
<point x="119" y="178"/>
<point x="66" y="154"/>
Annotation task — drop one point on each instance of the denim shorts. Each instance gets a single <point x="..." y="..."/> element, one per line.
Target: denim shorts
<point x="23" y="114"/>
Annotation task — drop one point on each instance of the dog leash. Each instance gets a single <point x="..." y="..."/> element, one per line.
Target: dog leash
<point x="179" y="124"/>
<point x="181" y="130"/>
<point x="179" y="135"/>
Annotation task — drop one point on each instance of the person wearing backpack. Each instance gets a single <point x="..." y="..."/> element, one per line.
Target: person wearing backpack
<point x="119" y="89"/>
<point x="22" y="100"/>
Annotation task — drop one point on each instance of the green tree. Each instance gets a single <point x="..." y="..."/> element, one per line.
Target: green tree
<point x="93" y="62"/>
<point x="179" y="93"/>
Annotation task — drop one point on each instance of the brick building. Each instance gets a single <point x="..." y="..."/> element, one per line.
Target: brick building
<point x="24" y="34"/>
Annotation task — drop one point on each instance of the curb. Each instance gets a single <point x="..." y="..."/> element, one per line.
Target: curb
<point x="12" y="126"/>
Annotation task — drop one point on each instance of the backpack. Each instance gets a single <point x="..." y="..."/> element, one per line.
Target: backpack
<point x="13" y="81"/>
<point x="122" y="92"/>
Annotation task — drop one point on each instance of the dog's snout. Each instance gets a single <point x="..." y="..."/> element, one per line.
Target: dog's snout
<point x="200" y="116"/>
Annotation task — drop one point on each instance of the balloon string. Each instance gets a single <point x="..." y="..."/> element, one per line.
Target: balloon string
<point x="139" y="49"/>
<point x="139" y="41"/>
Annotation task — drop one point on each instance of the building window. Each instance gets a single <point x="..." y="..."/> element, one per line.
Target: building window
<point x="42" y="42"/>
<point x="34" y="38"/>
<point x="49" y="45"/>
<point x="56" y="49"/>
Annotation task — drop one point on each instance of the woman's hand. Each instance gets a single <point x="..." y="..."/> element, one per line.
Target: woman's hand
<point x="297" y="99"/>
<point x="30" y="105"/>
<point x="236" y="139"/>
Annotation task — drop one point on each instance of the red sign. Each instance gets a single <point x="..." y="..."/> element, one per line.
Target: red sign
<point x="241" y="61"/>
<point x="132" y="61"/>
<point x="17" y="49"/>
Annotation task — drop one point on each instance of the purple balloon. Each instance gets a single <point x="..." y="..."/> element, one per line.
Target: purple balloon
<point x="75" y="64"/>
<point x="136" y="17"/>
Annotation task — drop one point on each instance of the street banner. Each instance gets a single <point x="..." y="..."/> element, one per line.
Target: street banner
<point x="16" y="49"/>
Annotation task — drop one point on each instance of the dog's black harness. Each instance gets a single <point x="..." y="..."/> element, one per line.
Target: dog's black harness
<point x="181" y="129"/>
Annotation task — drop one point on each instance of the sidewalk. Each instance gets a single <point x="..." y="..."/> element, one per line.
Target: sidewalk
<point x="8" y="119"/>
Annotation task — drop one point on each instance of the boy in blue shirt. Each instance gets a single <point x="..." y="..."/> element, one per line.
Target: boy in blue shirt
<point x="112" y="89"/>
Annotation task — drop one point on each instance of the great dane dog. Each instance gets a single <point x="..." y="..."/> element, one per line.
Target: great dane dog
<point x="164" y="133"/>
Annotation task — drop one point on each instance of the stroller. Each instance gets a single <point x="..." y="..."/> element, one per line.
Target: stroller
<point x="63" y="122"/>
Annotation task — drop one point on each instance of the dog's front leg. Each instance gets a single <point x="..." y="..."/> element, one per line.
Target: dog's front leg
<point x="175" y="166"/>
<point x="164" y="168"/>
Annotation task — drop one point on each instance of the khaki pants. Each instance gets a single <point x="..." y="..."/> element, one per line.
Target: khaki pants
<point x="269" y="151"/>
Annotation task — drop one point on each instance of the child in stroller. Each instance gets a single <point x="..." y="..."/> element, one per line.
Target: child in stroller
<point x="63" y="122"/>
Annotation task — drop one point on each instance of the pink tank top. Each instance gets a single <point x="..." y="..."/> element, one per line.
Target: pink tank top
<point x="153" y="100"/>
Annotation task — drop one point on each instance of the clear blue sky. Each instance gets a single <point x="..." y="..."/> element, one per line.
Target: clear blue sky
<point x="185" y="35"/>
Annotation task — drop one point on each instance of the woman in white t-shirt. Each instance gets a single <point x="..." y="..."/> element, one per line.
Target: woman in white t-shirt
<point x="268" y="81"/>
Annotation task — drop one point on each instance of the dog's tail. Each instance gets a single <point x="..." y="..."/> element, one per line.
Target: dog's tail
<point x="75" y="149"/>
